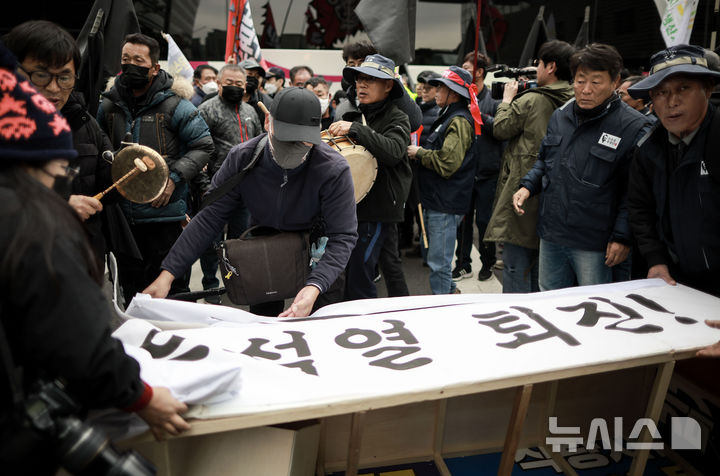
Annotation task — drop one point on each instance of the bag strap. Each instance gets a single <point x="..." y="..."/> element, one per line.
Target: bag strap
<point x="230" y="183"/>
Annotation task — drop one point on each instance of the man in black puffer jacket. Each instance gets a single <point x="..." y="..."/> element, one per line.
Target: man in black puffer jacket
<point x="144" y="102"/>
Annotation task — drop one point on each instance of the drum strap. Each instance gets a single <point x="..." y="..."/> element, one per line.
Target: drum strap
<point x="230" y="183"/>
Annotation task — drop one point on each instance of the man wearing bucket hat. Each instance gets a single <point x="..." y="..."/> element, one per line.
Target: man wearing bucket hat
<point x="674" y="197"/>
<point x="582" y="172"/>
<point x="296" y="179"/>
<point x="447" y="171"/>
<point x="384" y="130"/>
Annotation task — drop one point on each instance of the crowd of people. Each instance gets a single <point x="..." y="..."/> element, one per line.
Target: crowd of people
<point x="592" y="176"/>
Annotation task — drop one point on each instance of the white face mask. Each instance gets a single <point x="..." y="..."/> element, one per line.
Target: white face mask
<point x="270" y="88"/>
<point x="324" y="103"/>
<point x="210" y="87"/>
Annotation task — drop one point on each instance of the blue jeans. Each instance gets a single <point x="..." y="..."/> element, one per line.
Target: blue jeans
<point x="442" y="232"/>
<point x="520" y="273"/>
<point x="562" y="267"/>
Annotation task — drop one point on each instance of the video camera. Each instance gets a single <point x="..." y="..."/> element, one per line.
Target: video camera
<point x="504" y="71"/>
<point x="81" y="449"/>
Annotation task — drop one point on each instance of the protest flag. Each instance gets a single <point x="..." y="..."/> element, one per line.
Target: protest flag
<point x="538" y="35"/>
<point x="178" y="65"/>
<point x="390" y="26"/>
<point x="677" y="21"/>
<point x="583" y="37"/>
<point x="269" y="38"/>
<point x="242" y="41"/>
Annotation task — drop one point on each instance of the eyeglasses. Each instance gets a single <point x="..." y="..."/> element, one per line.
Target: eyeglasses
<point x="43" y="78"/>
<point x="67" y="171"/>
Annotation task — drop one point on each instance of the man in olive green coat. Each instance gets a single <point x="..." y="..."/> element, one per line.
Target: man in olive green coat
<point x="522" y="121"/>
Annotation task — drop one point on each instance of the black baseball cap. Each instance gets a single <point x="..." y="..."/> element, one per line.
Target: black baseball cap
<point x="275" y="72"/>
<point x="296" y="115"/>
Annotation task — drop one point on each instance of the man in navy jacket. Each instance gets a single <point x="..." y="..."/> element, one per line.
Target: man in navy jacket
<point x="582" y="171"/>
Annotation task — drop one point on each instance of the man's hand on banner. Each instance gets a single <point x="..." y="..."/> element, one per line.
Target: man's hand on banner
<point x="711" y="350"/>
<point x="303" y="303"/>
<point x="661" y="271"/>
<point x="161" y="286"/>
<point x="162" y="414"/>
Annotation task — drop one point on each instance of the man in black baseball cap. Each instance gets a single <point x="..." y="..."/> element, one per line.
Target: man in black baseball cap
<point x="674" y="191"/>
<point x="253" y="91"/>
<point x="274" y="81"/>
<point x="296" y="179"/>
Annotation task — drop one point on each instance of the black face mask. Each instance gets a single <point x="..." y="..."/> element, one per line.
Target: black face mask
<point x="251" y="84"/>
<point x="63" y="186"/>
<point x="134" y="77"/>
<point x="232" y="94"/>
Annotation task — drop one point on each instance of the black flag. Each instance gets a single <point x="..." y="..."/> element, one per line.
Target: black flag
<point x="100" y="42"/>
<point x="583" y="36"/>
<point x="538" y="35"/>
<point x="390" y="26"/>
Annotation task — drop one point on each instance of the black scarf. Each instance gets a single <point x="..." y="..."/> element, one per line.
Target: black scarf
<point x="584" y="115"/>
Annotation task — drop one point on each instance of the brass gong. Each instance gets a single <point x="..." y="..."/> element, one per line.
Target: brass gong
<point x="143" y="187"/>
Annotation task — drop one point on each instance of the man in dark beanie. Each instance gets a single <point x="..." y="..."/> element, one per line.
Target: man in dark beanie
<point x="384" y="130"/>
<point x="674" y="197"/>
<point x="54" y="318"/>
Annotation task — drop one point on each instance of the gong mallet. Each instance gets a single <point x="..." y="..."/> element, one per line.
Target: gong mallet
<point x="141" y="165"/>
<point x="263" y="108"/>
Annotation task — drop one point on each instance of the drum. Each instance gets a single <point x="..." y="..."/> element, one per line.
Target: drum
<point x="363" y="166"/>
<point x="144" y="187"/>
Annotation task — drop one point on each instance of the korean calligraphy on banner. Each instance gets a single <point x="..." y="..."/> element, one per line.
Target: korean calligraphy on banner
<point x="386" y="347"/>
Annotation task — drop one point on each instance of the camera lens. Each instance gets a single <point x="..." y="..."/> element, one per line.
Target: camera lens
<point x="86" y="451"/>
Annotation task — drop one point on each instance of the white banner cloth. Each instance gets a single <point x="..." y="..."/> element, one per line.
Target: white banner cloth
<point x="387" y="347"/>
<point x="178" y="65"/>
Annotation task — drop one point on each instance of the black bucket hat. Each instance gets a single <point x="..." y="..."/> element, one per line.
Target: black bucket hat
<point x="451" y="78"/>
<point x="296" y="115"/>
<point x="679" y="59"/>
<point x="377" y="66"/>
